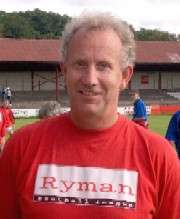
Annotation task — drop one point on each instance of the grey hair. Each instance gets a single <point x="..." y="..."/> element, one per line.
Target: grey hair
<point x="50" y="108"/>
<point x="101" y="21"/>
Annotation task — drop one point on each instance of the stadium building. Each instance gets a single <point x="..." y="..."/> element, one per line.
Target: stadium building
<point x="31" y="68"/>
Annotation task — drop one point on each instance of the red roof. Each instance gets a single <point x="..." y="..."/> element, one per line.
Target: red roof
<point x="29" y="50"/>
<point x="157" y="52"/>
<point x="49" y="51"/>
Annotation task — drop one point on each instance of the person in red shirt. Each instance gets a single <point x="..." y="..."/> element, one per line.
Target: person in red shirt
<point x="8" y="117"/>
<point x="91" y="162"/>
<point x="2" y="130"/>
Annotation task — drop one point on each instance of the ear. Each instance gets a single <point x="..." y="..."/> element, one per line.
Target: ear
<point x="126" y="77"/>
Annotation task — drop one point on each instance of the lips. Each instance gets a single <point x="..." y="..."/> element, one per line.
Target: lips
<point x="88" y="93"/>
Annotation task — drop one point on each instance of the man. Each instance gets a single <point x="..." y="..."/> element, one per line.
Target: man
<point x="173" y="131"/>
<point x="2" y="130"/>
<point x="140" y="114"/>
<point x="90" y="162"/>
<point x="8" y="94"/>
<point x="8" y="117"/>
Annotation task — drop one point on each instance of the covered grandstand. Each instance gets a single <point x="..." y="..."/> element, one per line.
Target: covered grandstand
<point x="32" y="69"/>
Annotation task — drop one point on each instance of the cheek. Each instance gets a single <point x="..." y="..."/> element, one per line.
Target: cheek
<point x="115" y="82"/>
<point x="111" y="86"/>
<point x="72" y="82"/>
<point x="70" y="78"/>
<point x="119" y="82"/>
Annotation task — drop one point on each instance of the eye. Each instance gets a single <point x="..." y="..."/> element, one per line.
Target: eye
<point x="81" y="64"/>
<point x="103" y="66"/>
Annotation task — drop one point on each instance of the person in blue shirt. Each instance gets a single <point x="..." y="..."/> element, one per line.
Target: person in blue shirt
<point x="173" y="131"/>
<point x="140" y="113"/>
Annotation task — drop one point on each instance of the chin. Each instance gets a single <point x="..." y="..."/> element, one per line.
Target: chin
<point x="89" y="109"/>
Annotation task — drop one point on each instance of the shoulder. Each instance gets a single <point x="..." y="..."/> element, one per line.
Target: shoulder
<point x="175" y="118"/>
<point x="27" y="139"/>
<point x="155" y="152"/>
<point x="45" y="127"/>
<point x="42" y="125"/>
<point x="154" y="145"/>
<point x="176" y="115"/>
<point x="139" y="101"/>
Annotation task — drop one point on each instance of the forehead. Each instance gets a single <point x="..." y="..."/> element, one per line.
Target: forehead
<point x="86" y="34"/>
<point x="95" y="41"/>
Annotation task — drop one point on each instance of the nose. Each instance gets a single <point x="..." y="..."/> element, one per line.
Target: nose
<point x="90" y="77"/>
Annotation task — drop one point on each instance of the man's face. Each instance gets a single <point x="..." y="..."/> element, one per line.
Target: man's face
<point x="93" y="72"/>
<point x="135" y="96"/>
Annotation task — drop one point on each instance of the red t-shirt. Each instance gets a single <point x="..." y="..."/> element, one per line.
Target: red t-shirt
<point x="8" y="116"/>
<point x="2" y="124"/>
<point x="52" y="169"/>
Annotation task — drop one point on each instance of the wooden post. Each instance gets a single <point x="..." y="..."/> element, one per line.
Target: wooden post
<point x="57" y="84"/>
<point x="32" y="80"/>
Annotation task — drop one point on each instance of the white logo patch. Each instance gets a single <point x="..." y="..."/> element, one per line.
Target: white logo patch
<point x="86" y="186"/>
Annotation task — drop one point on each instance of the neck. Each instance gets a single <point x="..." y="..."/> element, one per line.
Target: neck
<point x="96" y="122"/>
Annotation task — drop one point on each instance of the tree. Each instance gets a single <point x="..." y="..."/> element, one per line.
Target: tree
<point x="151" y="35"/>
<point x="43" y="25"/>
<point x="32" y="24"/>
<point x="17" y="27"/>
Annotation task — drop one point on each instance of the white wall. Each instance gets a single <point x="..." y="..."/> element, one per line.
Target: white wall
<point x="22" y="81"/>
<point x="18" y="81"/>
<point x="151" y="78"/>
<point x="171" y="80"/>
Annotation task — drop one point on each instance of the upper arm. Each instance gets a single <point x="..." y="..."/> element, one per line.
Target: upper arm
<point x="171" y="133"/>
<point x="8" y="195"/>
<point x="168" y="203"/>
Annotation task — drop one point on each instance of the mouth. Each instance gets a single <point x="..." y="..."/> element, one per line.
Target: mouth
<point x="88" y="93"/>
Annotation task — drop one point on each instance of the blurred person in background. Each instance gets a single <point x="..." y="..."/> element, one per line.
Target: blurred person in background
<point x="2" y="130"/>
<point x="8" y="94"/>
<point x="91" y="162"/>
<point x="8" y="117"/>
<point x="3" y="94"/>
<point x="173" y="131"/>
<point x="139" y="110"/>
